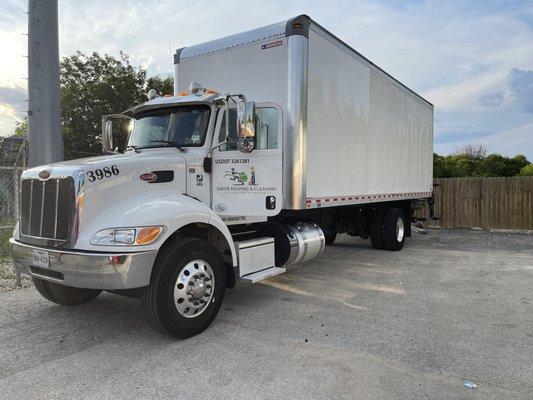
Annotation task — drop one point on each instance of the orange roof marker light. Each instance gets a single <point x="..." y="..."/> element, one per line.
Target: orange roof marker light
<point x="183" y="93"/>
<point x="211" y="91"/>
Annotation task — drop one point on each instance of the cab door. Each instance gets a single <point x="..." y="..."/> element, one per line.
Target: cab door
<point x="249" y="184"/>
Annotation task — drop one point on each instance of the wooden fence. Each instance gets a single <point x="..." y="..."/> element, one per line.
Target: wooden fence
<point x="488" y="203"/>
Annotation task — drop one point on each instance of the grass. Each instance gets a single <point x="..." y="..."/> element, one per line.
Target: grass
<point x="7" y="270"/>
<point x="5" y="235"/>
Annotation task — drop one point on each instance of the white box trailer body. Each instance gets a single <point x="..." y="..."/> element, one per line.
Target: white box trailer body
<point x="351" y="133"/>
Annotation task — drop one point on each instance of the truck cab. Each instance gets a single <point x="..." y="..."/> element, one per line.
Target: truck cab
<point x="102" y="223"/>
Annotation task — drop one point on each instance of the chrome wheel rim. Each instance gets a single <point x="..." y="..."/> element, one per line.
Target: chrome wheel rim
<point x="399" y="229"/>
<point x="194" y="288"/>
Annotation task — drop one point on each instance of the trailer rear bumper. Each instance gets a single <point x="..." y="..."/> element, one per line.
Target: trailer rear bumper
<point x="88" y="270"/>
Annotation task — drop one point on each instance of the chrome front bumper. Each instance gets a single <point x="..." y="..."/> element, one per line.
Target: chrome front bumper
<point x="87" y="269"/>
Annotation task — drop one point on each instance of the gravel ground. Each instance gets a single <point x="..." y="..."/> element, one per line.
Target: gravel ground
<point x="7" y="278"/>
<point x="357" y="323"/>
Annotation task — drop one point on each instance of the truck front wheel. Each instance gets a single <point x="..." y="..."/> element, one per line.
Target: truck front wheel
<point x="186" y="289"/>
<point x="64" y="295"/>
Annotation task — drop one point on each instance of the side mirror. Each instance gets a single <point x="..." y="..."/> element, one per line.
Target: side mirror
<point x="107" y="136"/>
<point x="245" y="126"/>
<point x="115" y="132"/>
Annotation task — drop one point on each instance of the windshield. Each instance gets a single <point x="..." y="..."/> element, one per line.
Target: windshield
<point x="178" y="126"/>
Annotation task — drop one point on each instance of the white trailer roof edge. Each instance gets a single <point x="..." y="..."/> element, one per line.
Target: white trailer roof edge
<point x="299" y="25"/>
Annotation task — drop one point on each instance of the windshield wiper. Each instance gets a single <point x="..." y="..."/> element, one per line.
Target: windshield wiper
<point x="134" y="148"/>
<point x="173" y="144"/>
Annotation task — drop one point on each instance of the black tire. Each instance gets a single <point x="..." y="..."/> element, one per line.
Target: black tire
<point x="376" y="229"/>
<point x="159" y="302"/>
<point x="64" y="295"/>
<point x="390" y="235"/>
<point x="330" y="236"/>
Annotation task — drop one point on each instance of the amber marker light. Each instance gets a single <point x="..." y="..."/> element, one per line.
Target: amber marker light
<point x="147" y="235"/>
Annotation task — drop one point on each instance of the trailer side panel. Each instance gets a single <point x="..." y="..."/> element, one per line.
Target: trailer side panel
<point x="367" y="135"/>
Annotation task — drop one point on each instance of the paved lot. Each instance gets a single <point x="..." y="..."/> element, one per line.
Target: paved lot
<point x="359" y="323"/>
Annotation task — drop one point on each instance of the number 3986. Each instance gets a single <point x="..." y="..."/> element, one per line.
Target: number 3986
<point x="106" y="172"/>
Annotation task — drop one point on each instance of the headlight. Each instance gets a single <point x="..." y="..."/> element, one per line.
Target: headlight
<point x="127" y="236"/>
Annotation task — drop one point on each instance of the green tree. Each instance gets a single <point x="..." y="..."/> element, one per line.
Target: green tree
<point x="527" y="170"/>
<point x="469" y="160"/>
<point x="517" y="163"/>
<point x="91" y="87"/>
<point x="498" y="165"/>
<point x="443" y="167"/>
<point x="21" y="128"/>
<point x="163" y="86"/>
<point x="472" y="160"/>
<point x="473" y="151"/>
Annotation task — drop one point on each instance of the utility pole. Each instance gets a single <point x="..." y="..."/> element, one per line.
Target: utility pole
<point x="45" y="142"/>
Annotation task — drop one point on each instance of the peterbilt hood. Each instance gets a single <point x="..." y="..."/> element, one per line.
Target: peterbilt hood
<point x="119" y="169"/>
<point x="162" y="155"/>
<point x="107" y="185"/>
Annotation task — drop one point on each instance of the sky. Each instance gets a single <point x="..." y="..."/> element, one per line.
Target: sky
<point x="472" y="59"/>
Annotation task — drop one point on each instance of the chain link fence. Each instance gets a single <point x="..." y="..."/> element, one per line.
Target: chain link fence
<point x="12" y="163"/>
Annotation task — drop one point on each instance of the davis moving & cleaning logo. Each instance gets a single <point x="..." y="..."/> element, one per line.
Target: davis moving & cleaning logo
<point x="240" y="178"/>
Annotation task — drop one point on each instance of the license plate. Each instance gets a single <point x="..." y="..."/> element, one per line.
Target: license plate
<point x="41" y="258"/>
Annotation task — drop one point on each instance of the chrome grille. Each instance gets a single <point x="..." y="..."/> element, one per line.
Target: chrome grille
<point x="47" y="207"/>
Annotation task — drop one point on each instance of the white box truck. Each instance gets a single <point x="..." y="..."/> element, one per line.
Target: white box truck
<point x="274" y="141"/>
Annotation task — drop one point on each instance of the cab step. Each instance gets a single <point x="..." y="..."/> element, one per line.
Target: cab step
<point x="260" y="275"/>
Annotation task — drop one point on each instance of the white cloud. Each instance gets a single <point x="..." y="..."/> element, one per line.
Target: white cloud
<point x="465" y="93"/>
<point x="518" y="140"/>
<point x="9" y="116"/>
<point x="492" y="99"/>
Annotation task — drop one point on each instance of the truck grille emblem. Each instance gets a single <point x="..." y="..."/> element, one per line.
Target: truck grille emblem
<point x="44" y="174"/>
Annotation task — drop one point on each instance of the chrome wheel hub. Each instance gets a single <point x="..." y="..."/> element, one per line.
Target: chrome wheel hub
<point x="399" y="229"/>
<point x="194" y="288"/>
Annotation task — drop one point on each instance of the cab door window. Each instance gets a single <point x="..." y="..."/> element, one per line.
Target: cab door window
<point x="232" y="138"/>
<point x="266" y="129"/>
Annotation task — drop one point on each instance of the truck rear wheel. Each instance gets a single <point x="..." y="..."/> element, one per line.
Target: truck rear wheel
<point x="394" y="229"/>
<point x="186" y="289"/>
<point x="330" y="235"/>
<point x="64" y="295"/>
<point x="376" y="229"/>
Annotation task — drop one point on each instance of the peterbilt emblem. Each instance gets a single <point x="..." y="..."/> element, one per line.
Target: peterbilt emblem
<point x="148" y="177"/>
<point x="44" y="174"/>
